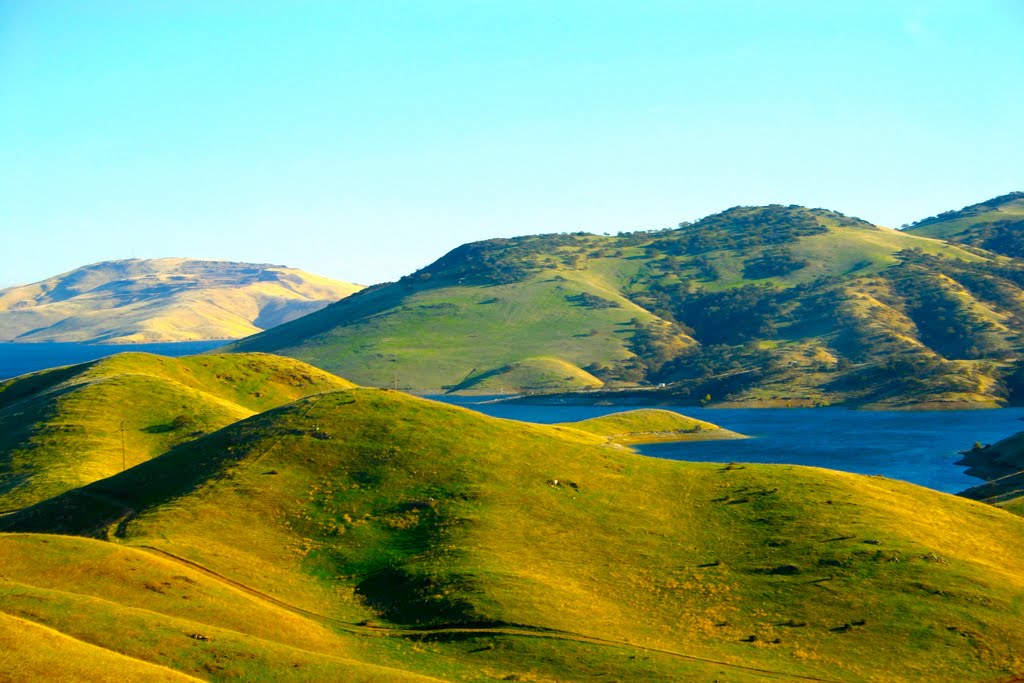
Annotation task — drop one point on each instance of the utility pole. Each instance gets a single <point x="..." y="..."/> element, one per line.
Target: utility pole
<point x="124" y="463"/>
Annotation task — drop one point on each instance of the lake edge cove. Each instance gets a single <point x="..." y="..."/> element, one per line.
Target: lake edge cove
<point x="920" y="447"/>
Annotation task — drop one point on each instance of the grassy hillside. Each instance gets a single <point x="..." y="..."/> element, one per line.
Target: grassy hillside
<point x="545" y="553"/>
<point x="996" y="225"/>
<point x="754" y="306"/>
<point x="118" y="613"/>
<point x="161" y="300"/>
<point x="432" y="335"/>
<point x="63" y="428"/>
<point x="35" y="653"/>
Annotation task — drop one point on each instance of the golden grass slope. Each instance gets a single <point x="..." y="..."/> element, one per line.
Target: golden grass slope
<point x="162" y="300"/>
<point x="33" y="652"/>
<point x="66" y="427"/>
<point x="546" y="553"/>
<point x="144" y="605"/>
<point x="155" y="612"/>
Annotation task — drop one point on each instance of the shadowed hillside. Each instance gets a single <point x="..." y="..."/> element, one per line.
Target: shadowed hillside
<point x="775" y="305"/>
<point x="546" y="553"/>
<point x="162" y="300"/>
<point x="1002" y="465"/>
<point x="78" y="609"/>
<point x="63" y="428"/>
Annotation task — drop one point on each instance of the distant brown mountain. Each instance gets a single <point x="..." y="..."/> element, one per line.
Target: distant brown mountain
<point x="163" y="300"/>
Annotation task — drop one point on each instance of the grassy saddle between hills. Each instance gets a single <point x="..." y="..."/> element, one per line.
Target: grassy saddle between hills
<point x="431" y="539"/>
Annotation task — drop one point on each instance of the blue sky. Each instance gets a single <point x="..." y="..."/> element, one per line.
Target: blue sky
<point x="362" y="140"/>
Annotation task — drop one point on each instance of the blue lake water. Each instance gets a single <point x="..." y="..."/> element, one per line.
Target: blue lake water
<point x="919" y="447"/>
<point x="17" y="359"/>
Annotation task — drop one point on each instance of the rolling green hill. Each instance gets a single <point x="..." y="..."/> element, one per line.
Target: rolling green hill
<point x="428" y="333"/>
<point x="775" y="305"/>
<point x="996" y="225"/>
<point x="63" y="428"/>
<point x="394" y="532"/>
<point x="162" y="300"/>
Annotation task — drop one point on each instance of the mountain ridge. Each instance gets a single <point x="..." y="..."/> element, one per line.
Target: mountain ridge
<point x="772" y="305"/>
<point x="996" y="224"/>
<point x="161" y="300"/>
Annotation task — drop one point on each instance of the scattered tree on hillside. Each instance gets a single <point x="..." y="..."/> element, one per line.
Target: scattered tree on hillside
<point x="775" y="262"/>
<point x="588" y="300"/>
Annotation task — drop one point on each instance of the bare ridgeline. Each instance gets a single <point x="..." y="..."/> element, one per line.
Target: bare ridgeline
<point x="162" y="300"/>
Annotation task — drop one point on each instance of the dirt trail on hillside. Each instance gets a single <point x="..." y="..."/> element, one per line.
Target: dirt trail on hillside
<point x="497" y="631"/>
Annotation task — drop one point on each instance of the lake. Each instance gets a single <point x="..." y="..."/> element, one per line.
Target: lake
<point x="919" y="447"/>
<point x="17" y="359"/>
